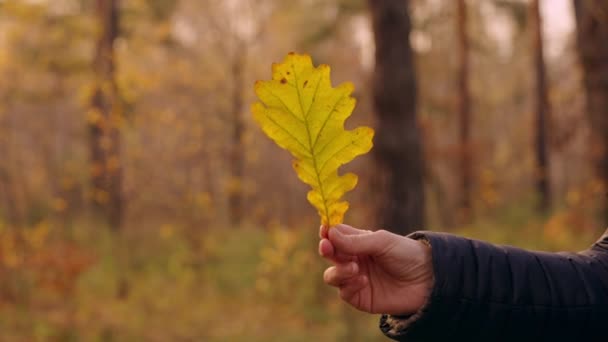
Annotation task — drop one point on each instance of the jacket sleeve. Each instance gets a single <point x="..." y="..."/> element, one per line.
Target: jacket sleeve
<point x="484" y="292"/>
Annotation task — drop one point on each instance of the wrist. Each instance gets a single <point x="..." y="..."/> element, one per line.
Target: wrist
<point x="420" y="283"/>
<point x="395" y="326"/>
<point x="427" y="277"/>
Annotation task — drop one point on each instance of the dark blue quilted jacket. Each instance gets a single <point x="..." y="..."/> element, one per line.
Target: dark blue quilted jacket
<point x="484" y="292"/>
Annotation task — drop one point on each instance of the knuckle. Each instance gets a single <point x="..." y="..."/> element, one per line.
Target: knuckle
<point x="383" y="234"/>
<point x="386" y="239"/>
<point x="343" y="270"/>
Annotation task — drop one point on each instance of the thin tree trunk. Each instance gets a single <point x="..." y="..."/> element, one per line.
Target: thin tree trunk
<point x="235" y="195"/>
<point x="11" y="188"/>
<point x="592" y="34"/>
<point x="7" y="193"/>
<point x="464" y="114"/>
<point x="104" y="121"/>
<point x="398" y="150"/>
<point x="543" y="111"/>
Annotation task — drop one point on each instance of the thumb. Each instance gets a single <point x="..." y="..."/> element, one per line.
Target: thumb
<point x="372" y="243"/>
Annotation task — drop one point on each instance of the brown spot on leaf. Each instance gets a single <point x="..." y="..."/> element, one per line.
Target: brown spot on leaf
<point x="283" y="80"/>
<point x="305" y="83"/>
<point x="288" y="73"/>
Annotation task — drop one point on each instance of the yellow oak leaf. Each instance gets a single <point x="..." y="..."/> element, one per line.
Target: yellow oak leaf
<point x="301" y="111"/>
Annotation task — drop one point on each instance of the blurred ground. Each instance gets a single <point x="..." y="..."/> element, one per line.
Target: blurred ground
<point x="226" y="284"/>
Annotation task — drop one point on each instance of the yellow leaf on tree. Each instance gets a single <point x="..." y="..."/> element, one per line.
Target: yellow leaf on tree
<point x="301" y="111"/>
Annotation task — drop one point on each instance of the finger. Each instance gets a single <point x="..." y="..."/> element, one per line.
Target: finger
<point x="323" y="231"/>
<point x="339" y="274"/>
<point x="351" y="288"/>
<point x="349" y="230"/>
<point x="346" y="229"/>
<point x="327" y="250"/>
<point x="366" y="244"/>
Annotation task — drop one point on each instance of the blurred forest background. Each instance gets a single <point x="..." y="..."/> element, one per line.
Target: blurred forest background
<point x="138" y="201"/>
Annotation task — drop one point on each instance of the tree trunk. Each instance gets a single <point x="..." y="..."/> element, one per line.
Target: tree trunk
<point x="235" y="191"/>
<point x="543" y="111"/>
<point x="592" y="34"/>
<point x="12" y="192"/>
<point x="8" y="198"/>
<point x="105" y="119"/>
<point x="398" y="150"/>
<point x="464" y="114"/>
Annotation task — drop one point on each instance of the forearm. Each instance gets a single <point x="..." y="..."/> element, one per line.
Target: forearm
<point x="490" y="293"/>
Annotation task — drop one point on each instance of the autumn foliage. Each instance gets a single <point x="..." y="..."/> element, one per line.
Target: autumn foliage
<point x="142" y="200"/>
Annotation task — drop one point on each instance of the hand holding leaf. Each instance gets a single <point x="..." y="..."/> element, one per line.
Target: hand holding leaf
<point x="304" y="114"/>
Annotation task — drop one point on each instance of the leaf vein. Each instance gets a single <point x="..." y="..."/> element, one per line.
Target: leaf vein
<point x="311" y="151"/>
<point x="336" y="153"/>
<point x="326" y="120"/>
<point x="288" y="133"/>
<point x="285" y="106"/>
